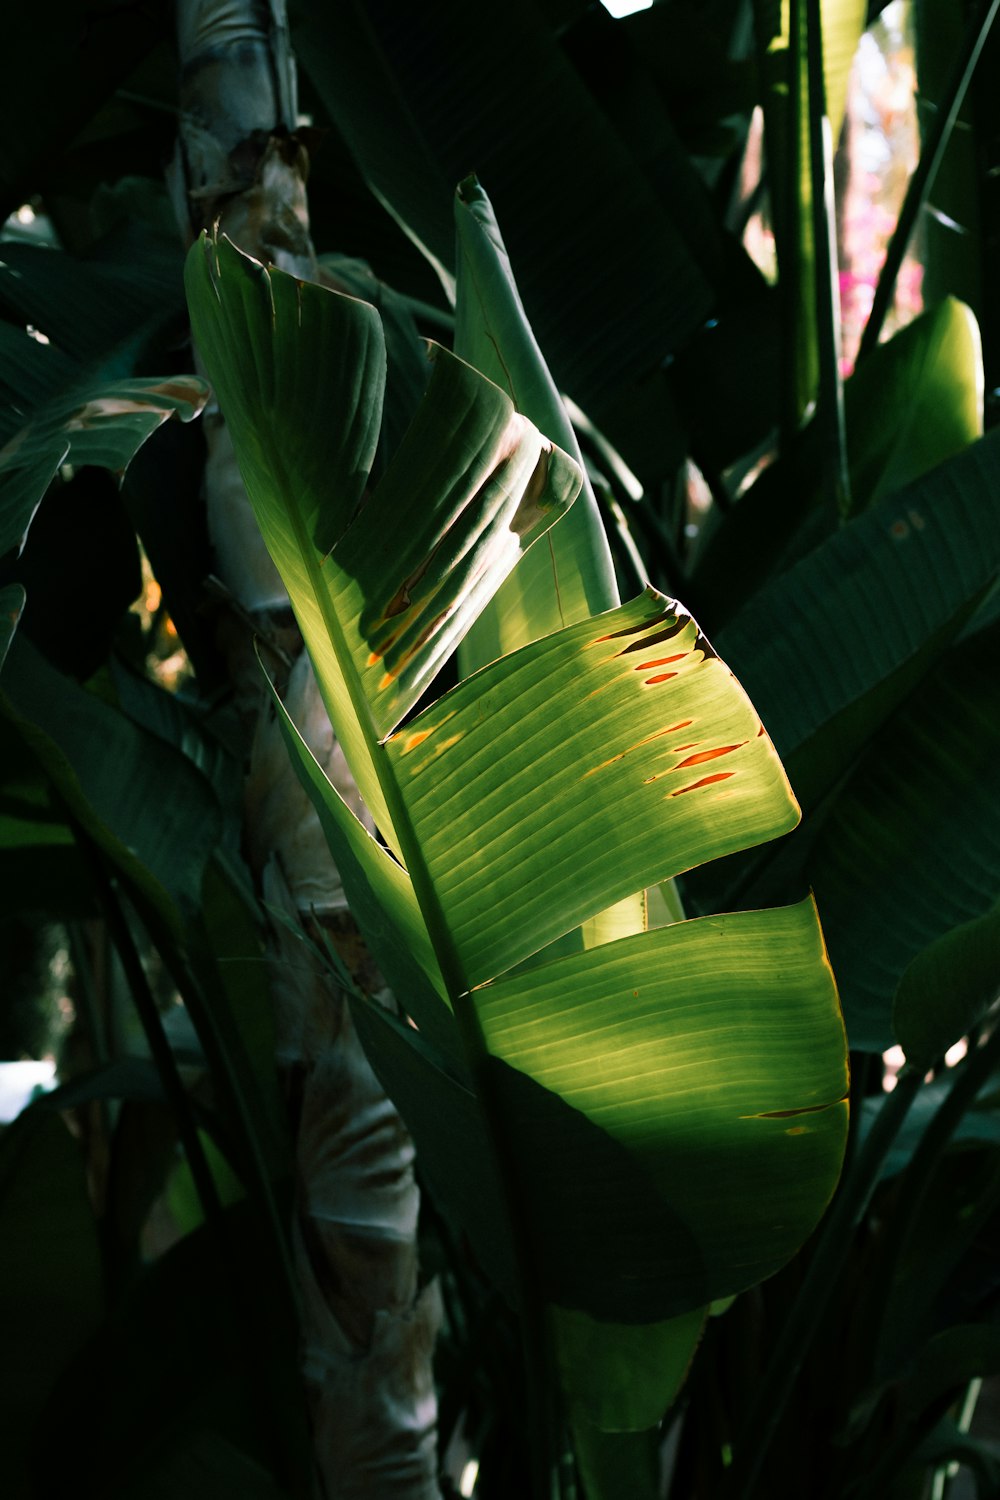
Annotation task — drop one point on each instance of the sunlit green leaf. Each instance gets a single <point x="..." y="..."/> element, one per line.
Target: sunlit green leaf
<point x="382" y="593"/>
<point x="722" y="1072"/>
<point x="551" y="784"/>
<point x="623" y="733"/>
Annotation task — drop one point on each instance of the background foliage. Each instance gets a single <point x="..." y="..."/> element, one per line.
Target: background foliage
<point x="844" y="566"/>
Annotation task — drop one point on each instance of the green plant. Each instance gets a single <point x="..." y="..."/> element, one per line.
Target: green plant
<point x="850" y="587"/>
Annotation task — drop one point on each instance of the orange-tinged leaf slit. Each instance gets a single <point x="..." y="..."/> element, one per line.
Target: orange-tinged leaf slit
<point x="660" y="677"/>
<point x="664" y="661"/>
<point x="413" y="740"/>
<point x="705" y="781"/>
<point x="703" y="755"/>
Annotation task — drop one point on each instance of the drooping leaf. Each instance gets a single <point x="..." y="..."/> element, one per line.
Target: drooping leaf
<point x="450" y="1133"/>
<point x="145" y="804"/>
<point x="87" y="306"/>
<point x="381" y="899"/>
<point x="102" y="424"/>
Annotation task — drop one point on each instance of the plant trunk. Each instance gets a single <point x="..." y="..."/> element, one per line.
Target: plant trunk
<point x="368" y="1332"/>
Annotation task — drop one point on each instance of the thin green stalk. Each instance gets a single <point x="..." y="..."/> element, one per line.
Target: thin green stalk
<point x="970" y="1077"/>
<point x="156" y="1038"/>
<point x="830" y="410"/>
<point x="832" y="1249"/>
<point x="98" y="1026"/>
<point x="274" y="1318"/>
<point x="914" y="1181"/>
<point x="219" y="1044"/>
<point x="923" y="178"/>
<point x="944" y="1477"/>
<point x="790" y="264"/>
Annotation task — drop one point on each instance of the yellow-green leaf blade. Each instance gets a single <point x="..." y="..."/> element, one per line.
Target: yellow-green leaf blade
<point x="713" y="1054"/>
<point x="600" y="760"/>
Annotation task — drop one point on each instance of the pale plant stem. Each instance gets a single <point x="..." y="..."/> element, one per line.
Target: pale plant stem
<point x="368" y="1331"/>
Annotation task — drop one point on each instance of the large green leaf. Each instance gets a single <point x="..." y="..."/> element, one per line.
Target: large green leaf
<point x="553" y="782"/>
<point x="382" y="595"/>
<point x="715" y="1071"/>
<point x="597" y="761"/>
<point x="571" y="576"/>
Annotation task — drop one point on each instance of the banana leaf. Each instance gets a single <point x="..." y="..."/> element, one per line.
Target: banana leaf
<point x="685" y="1085"/>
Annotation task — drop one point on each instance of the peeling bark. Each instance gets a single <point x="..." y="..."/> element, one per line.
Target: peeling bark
<point x="368" y="1331"/>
